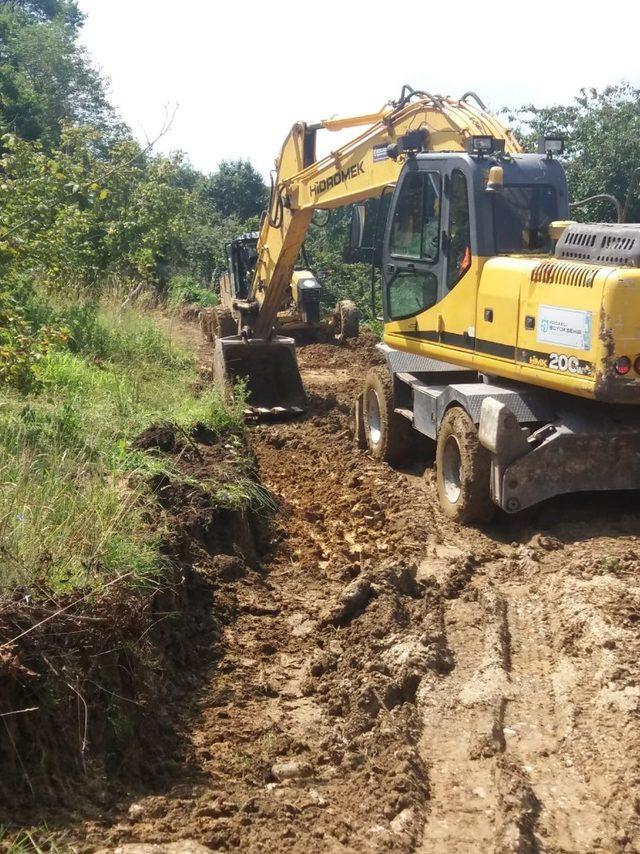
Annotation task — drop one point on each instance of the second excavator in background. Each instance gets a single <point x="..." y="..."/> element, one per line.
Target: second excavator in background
<point x="300" y="313"/>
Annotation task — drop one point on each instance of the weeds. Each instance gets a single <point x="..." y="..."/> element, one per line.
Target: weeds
<point x="245" y="492"/>
<point x="185" y="290"/>
<point x="40" y="841"/>
<point x="74" y="508"/>
<point x="610" y="564"/>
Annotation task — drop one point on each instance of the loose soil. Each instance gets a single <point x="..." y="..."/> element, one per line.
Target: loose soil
<point x="391" y="681"/>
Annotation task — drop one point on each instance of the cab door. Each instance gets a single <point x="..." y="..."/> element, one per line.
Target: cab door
<point x="412" y="269"/>
<point x="430" y="275"/>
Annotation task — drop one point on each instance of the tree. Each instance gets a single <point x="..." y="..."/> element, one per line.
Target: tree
<point x="46" y="78"/>
<point x="46" y="10"/>
<point x="602" y="134"/>
<point x="236" y="190"/>
<point x="71" y="219"/>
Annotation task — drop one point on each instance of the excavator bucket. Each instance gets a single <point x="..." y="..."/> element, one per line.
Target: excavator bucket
<point x="269" y="370"/>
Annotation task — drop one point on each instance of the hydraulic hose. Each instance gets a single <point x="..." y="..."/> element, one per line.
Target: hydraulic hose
<point x="602" y="197"/>
<point x="275" y="220"/>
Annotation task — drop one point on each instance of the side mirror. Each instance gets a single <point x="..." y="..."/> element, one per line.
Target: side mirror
<point x="358" y="218"/>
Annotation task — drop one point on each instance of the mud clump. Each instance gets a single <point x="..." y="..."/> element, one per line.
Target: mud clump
<point x="159" y="437"/>
<point x="351" y="602"/>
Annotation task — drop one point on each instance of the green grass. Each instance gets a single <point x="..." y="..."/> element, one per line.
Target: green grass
<point x="74" y="510"/>
<point x="184" y="290"/>
<point x="37" y="842"/>
<point x="244" y="492"/>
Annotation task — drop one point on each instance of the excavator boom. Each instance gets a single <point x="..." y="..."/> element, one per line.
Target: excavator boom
<point x="354" y="172"/>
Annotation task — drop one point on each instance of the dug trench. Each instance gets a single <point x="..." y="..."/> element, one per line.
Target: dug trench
<point x="386" y="680"/>
<point x="88" y="677"/>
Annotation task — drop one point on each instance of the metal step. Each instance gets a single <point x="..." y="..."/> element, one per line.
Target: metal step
<point x="407" y="413"/>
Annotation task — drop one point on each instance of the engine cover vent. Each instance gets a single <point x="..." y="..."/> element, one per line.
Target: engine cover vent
<point x="564" y="273"/>
<point x="601" y="243"/>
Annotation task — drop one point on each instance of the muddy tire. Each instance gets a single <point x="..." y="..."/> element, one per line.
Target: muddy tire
<point x="347" y="320"/>
<point x="206" y="324"/>
<point x="463" y="470"/>
<point x="389" y="436"/>
<point x="224" y="323"/>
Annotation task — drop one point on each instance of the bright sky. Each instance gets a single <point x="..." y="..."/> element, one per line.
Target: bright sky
<point x="242" y="73"/>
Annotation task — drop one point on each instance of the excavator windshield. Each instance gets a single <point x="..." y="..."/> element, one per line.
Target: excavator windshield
<point x="522" y="215"/>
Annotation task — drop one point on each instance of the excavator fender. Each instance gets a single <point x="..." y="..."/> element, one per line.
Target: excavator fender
<point x="268" y="369"/>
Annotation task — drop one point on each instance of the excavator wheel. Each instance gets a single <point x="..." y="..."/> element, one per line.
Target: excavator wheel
<point x="463" y="470"/>
<point x="347" y="320"/>
<point x="206" y="324"/>
<point x="224" y="323"/>
<point x="389" y="436"/>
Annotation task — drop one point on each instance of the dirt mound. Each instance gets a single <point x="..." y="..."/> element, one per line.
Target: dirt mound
<point x="345" y="355"/>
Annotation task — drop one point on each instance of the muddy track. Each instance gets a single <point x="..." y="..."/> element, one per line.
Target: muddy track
<point x="392" y="682"/>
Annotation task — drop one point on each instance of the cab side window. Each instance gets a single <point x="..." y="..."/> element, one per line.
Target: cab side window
<point x="459" y="255"/>
<point x="415" y="230"/>
<point x="409" y="293"/>
<point x="415" y="237"/>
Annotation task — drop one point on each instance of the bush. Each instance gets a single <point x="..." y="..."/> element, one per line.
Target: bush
<point x="21" y="350"/>
<point x="184" y="290"/>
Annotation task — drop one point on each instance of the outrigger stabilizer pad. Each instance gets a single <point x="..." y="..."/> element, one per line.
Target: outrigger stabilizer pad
<point x="268" y="369"/>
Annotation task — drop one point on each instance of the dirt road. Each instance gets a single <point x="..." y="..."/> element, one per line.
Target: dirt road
<point x="393" y="682"/>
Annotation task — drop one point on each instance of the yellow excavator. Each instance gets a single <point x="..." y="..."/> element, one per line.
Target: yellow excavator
<point x="511" y="335"/>
<point x="300" y="313"/>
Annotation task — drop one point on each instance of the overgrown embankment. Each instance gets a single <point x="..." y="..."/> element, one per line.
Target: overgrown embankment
<point x="127" y="499"/>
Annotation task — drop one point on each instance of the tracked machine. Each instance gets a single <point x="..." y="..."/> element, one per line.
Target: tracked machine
<point x="511" y="335"/>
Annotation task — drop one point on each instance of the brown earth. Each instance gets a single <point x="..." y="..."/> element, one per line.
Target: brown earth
<point x="391" y="681"/>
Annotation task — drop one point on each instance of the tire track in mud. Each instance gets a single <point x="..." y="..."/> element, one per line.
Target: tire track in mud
<point x="517" y="742"/>
<point x="393" y="682"/>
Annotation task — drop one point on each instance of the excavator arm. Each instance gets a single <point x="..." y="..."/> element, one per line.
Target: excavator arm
<point x="354" y="172"/>
<point x="359" y="170"/>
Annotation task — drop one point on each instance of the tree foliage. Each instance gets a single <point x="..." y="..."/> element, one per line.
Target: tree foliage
<point x="71" y="218"/>
<point x="236" y="190"/>
<point x="46" y="79"/>
<point x="48" y="10"/>
<point x="602" y="134"/>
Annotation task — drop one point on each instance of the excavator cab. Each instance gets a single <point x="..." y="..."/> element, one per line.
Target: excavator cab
<point x="450" y="213"/>
<point x="242" y="256"/>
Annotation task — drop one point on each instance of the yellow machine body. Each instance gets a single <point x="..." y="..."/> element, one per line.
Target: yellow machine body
<point x="559" y="323"/>
<point x="499" y="315"/>
<point x="581" y="319"/>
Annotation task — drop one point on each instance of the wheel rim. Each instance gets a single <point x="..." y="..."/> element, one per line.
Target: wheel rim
<point x="451" y="470"/>
<point x="374" y="422"/>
